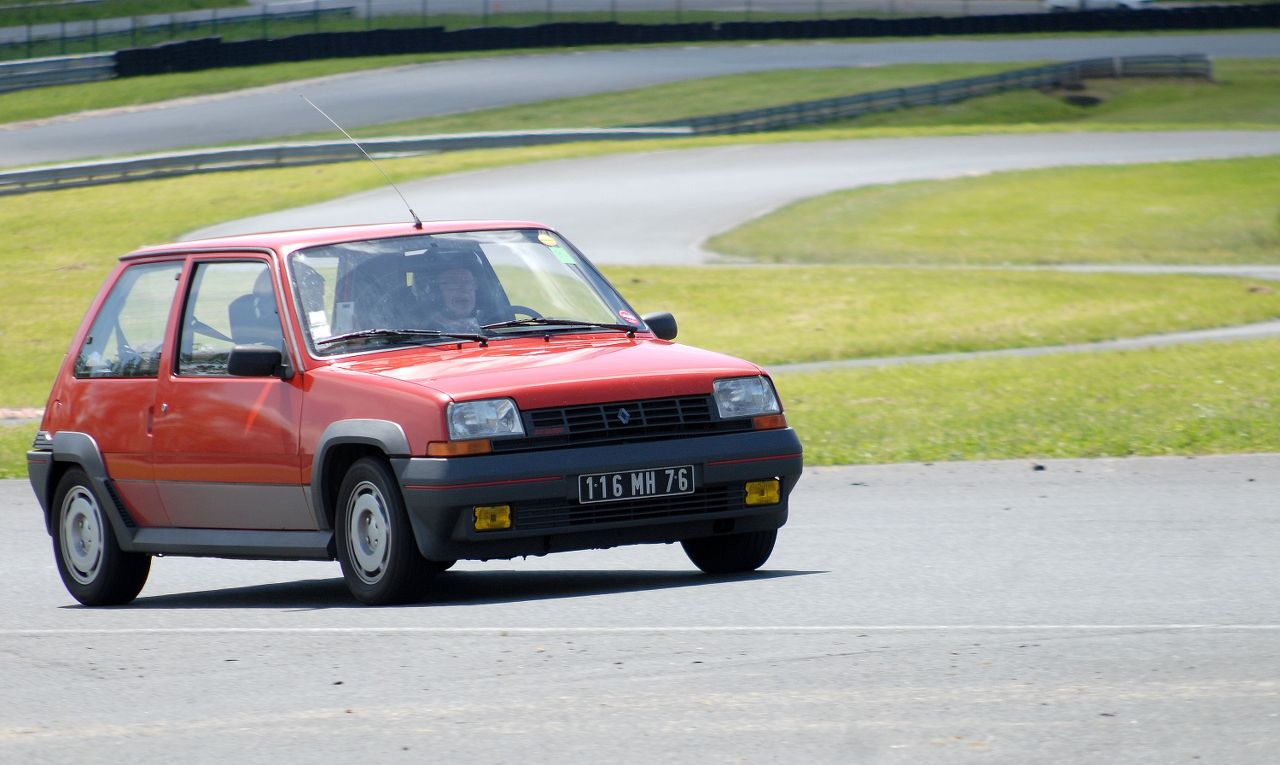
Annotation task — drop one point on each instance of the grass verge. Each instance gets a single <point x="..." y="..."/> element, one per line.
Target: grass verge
<point x="1212" y="212"/>
<point x="1196" y="399"/>
<point x="15" y="440"/>
<point x="1246" y="93"/>
<point x="825" y="313"/>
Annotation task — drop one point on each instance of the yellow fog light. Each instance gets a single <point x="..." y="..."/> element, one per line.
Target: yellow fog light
<point x="764" y="492"/>
<point x="493" y="517"/>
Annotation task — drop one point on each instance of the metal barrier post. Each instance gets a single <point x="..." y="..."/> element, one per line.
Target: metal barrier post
<point x="264" y="22"/>
<point x="315" y="17"/>
<point x="62" y="37"/>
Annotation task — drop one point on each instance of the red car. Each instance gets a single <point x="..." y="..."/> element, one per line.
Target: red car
<point x="397" y="397"/>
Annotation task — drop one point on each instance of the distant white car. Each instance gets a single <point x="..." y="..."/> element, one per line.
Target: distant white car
<point x="1060" y="6"/>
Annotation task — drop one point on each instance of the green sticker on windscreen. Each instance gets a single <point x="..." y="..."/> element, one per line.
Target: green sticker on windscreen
<point x="563" y="255"/>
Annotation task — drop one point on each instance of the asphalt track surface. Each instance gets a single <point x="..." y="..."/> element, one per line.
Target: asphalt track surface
<point x="461" y="85"/>
<point x="1093" y="611"/>
<point x="657" y="208"/>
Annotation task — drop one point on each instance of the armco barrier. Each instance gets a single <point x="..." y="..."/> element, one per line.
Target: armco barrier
<point x="63" y="70"/>
<point x="806" y="112"/>
<point x="294" y="154"/>
<point x="847" y="107"/>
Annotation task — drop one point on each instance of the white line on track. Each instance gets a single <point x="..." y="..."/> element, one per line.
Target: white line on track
<point x="779" y="629"/>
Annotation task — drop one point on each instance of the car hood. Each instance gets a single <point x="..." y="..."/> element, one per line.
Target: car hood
<point x="559" y="371"/>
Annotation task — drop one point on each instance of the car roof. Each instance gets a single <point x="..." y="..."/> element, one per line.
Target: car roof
<point x="285" y="242"/>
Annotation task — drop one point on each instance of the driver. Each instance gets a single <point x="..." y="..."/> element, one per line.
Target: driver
<point x="455" y="293"/>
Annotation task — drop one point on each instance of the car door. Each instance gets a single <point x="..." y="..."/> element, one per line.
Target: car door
<point x="226" y="448"/>
<point x="112" y="388"/>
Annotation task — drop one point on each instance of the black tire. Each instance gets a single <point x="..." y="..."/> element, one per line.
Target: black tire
<point x="731" y="553"/>
<point x="93" y="567"/>
<point x="380" y="562"/>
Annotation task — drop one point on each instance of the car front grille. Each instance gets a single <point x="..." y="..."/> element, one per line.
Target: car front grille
<point x="553" y="514"/>
<point x="620" y="422"/>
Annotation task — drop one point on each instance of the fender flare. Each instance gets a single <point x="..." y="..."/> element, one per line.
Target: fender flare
<point x="81" y="450"/>
<point x="384" y="435"/>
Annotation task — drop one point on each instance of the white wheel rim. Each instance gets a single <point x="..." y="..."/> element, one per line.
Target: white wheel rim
<point x="82" y="535"/>
<point x="368" y="532"/>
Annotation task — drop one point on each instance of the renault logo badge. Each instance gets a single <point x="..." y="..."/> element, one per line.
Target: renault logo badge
<point x="624" y="416"/>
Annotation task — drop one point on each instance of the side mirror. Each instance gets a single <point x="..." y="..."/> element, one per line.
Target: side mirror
<point x="257" y="361"/>
<point x="663" y="325"/>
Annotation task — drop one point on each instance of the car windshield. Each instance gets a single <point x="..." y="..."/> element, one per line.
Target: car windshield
<point x="442" y="288"/>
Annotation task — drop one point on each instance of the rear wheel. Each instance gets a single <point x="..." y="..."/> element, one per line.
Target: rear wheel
<point x="376" y="549"/>
<point x="731" y="553"/>
<point x="93" y="567"/>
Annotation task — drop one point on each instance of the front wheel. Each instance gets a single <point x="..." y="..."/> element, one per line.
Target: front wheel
<point x="93" y="567"/>
<point x="731" y="553"/>
<point x="379" y="558"/>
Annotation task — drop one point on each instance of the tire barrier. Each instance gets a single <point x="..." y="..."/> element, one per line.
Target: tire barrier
<point x="213" y="52"/>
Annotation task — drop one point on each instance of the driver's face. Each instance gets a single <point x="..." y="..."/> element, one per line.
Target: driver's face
<point x="457" y="292"/>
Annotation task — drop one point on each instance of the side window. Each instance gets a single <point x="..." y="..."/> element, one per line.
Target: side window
<point x="127" y="335"/>
<point x="230" y="304"/>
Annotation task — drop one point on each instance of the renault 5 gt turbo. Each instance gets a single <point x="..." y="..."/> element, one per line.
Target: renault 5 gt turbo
<point x="397" y="397"/>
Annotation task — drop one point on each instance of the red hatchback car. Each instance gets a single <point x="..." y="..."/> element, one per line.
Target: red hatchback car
<point x="397" y="397"/>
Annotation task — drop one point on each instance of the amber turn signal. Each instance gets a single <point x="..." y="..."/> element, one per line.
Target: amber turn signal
<point x="459" y="448"/>
<point x="769" y="422"/>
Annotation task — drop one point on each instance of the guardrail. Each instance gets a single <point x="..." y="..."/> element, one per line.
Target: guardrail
<point x="63" y="70"/>
<point x="294" y="154"/>
<point x="848" y="107"/>
<point x="807" y="112"/>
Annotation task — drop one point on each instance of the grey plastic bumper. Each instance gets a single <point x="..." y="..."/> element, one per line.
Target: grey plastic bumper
<point x="440" y="493"/>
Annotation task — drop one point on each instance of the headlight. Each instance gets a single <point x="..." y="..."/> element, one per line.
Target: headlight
<point x="745" y="397"/>
<point x="491" y="418"/>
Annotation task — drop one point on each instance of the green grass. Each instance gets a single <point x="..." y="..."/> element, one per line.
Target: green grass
<point x="1213" y="212"/>
<point x="840" y="312"/>
<point x="1196" y="399"/>
<point x="691" y="98"/>
<point x="1245" y="93"/>
<point x="15" y="440"/>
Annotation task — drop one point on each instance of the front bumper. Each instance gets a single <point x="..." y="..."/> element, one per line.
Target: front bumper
<point x="542" y="490"/>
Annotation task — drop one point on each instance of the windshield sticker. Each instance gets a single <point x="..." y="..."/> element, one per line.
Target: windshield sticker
<point x="319" y="323"/>
<point x="547" y="239"/>
<point x="628" y="317"/>
<point x="562" y="255"/>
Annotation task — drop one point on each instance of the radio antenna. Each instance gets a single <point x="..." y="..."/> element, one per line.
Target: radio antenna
<point x="417" y="222"/>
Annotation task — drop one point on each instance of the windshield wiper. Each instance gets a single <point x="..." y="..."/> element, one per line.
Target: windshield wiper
<point x="406" y="333"/>
<point x="548" y="321"/>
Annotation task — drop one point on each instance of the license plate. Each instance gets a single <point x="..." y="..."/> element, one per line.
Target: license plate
<point x="635" y="484"/>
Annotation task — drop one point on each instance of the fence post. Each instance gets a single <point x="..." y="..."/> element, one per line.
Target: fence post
<point x="679" y="11"/>
<point x="315" y="21"/>
<point x="133" y="31"/>
<point x="62" y="37"/>
<point x="213" y="22"/>
<point x="173" y="27"/>
<point x="613" y="11"/>
<point x="549" y="11"/>
<point x="29" y="38"/>
<point x="368" y="14"/>
<point x="484" y="13"/>
<point x="265" y="31"/>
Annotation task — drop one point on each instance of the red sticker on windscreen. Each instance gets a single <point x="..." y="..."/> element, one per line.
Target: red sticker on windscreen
<point x="628" y="317"/>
